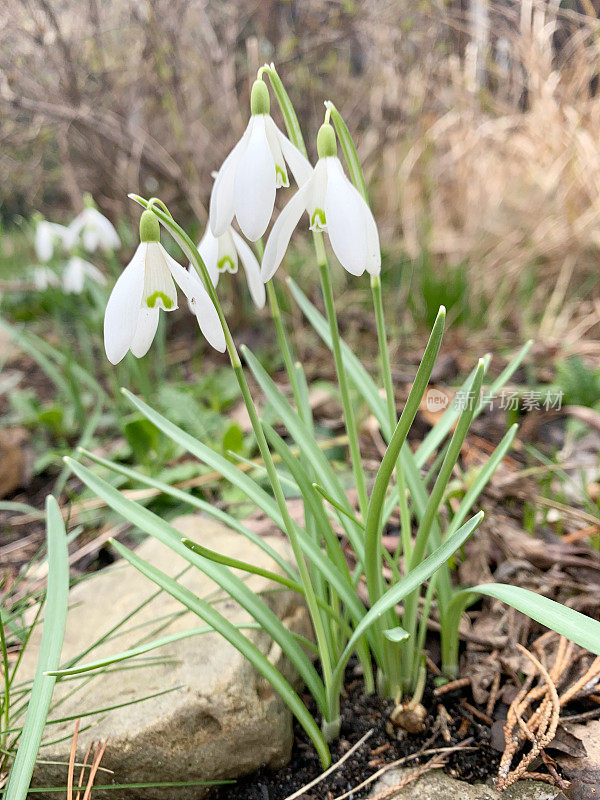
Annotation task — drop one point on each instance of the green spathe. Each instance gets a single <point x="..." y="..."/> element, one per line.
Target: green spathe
<point x="149" y="227"/>
<point x="260" y="102"/>
<point x="326" y="141"/>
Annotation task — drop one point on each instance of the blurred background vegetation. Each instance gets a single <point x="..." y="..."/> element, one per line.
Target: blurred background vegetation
<point x="477" y="124"/>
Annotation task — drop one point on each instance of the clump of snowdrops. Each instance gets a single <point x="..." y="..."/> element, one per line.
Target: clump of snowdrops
<point x="387" y="633"/>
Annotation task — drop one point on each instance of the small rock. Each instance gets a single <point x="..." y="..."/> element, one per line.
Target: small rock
<point x="436" y="785"/>
<point x="222" y="721"/>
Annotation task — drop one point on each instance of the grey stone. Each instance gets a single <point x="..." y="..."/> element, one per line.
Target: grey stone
<point x="436" y="785"/>
<point x="221" y="721"/>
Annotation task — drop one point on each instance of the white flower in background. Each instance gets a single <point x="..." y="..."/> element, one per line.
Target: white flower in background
<point x="144" y="287"/>
<point x="334" y="205"/>
<point x="76" y="273"/>
<point x="43" y="278"/>
<point x="247" y="181"/>
<point x="49" y="235"/>
<point x="95" y="229"/>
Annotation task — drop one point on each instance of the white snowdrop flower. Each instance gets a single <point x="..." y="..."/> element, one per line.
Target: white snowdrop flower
<point x="95" y="229"/>
<point x="334" y="205"/>
<point x="223" y="253"/>
<point x="49" y="235"/>
<point x="246" y="183"/>
<point x="43" y="278"/>
<point x="76" y="272"/>
<point x="145" y="286"/>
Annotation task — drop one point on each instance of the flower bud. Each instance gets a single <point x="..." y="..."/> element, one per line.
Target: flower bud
<point x="326" y="141"/>
<point x="260" y="102"/>
<point x="149" y="227"/>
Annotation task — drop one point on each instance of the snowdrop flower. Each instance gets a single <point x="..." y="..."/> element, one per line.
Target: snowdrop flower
<point x="144" y="287"/>
<point x="47" y="236"/>
<point x="222" y="253"/>
<point x="43" y="278"/>
<point x="333" y="205"/>
<point x="246" y="183"/>
<point x="95" y="229"/>
<point x="74" y="276"/>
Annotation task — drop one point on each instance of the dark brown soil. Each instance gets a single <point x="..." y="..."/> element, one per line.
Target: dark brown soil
<point x="361" y="713"/>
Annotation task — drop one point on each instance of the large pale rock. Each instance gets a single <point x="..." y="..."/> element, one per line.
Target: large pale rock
<point x="436" y="785"/>
<point x="221" y="721"/>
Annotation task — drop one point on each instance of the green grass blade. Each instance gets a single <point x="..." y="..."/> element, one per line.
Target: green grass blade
<point x="49" y="656"/>
<point x="135" y="652"/>
<point x="260" y="662"/>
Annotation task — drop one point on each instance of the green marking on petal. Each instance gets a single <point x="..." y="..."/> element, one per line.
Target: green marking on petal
<point x="318" y="221"/>
<point x="156" y="296"/>
<point x="281" y="177"/>
<point x="226" y="264"/>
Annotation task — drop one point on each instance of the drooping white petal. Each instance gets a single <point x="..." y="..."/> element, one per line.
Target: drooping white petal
<point x="254" y="185"/>
<point x="159" y="289"/>
<point x="44" y="241"/>
<point x="78" y="269"/>
<point x="316" y="198"/>
<point x="200" y="304"/>
<point x="282" y="230"/>
<point x="346" y="222"/>
<point x="122" y="309"/>
<point x="300" y="166"/>
<point x="222" y="207"/>
<point x="209" y="253"/>
<point x="227" y="260"/>
<point x="43" y="277"/>
<point x="74" y="276"/>
<point x="95" y="231"/>
<point x="281" y="176"/>
<point x="373" y="248"/>
<point x="252" y="269"/>
<point x="145" y="330"/>
<point x="108" y="238"/>
<point x="90" y="238"/>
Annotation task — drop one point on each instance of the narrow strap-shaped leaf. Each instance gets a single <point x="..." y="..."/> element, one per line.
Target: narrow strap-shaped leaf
<point x="408" y="584"/>
<point x="214" y="460"/>
<point x="236" y="563"/>
<point x="438" y="433"/>
<point x="357" y="373"/>
<point x="575" y="626"/>
<point x="348" y="149"/>
<point x="373" y="522"/>
<point x="305" y="442"/>
<point x="260" y="662"/>
<point x="49" y="655"/>
<point x="333" y="502"/>
<point x="150" y="523"/>
<point x="311" y="499"/>
<point x="480" y="482"/>
<point x="195" y="502"/>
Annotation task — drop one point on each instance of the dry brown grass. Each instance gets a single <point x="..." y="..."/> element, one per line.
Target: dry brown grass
<point x="502" y="174"/>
